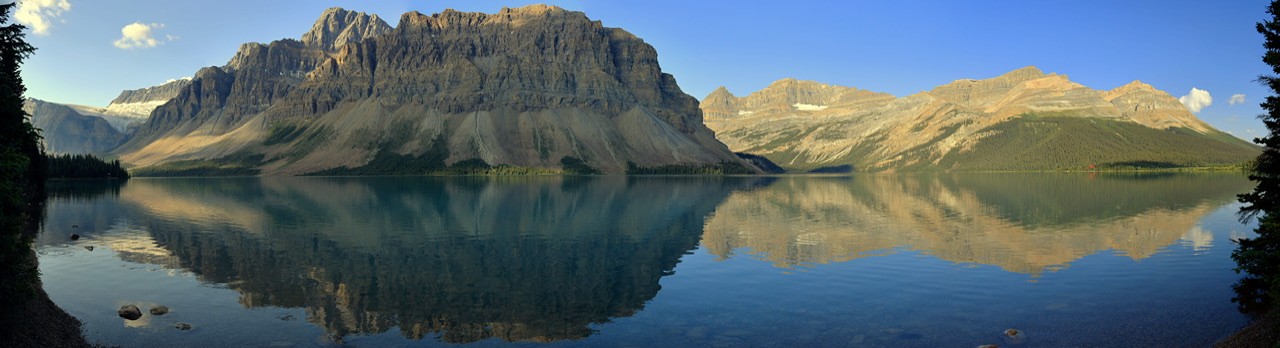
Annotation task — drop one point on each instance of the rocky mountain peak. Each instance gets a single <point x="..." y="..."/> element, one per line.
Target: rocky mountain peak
<point x="1147" y="105"/>
<point x="533" y="9"/>
<point x="1023" y="73"/>
<point x="1131" y="87"/>
<point x="451" y="19"/>
<point x="981" y="93"/>
<point x="720" y="104"/>
<point x="721" y="91"/>
<point x="1052" y="82"/>
<point x="526" y="87"/>
<point x="337" y="27"/>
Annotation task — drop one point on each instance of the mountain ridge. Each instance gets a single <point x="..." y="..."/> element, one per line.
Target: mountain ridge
<point x="525" y="87"/>
<point x="919" y="131"/>
<point x="66" y="131"/>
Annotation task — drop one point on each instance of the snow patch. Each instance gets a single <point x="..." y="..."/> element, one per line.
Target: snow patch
<point x="809" y="107"/>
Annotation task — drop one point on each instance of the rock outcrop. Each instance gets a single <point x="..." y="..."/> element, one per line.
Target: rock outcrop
<point x="525" y="87"/>
<point x="1145" y="104"/>
<point x="66" y="131"/>
<point x="337" y="27"/>
<point x="1022" y="120"/>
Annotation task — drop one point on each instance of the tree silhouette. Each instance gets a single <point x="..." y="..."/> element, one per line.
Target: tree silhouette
<point x="21" y="167"/>
<point x="1260" y="256"/>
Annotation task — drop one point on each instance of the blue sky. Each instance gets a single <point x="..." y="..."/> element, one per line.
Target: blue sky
<point x="900" y="47"/>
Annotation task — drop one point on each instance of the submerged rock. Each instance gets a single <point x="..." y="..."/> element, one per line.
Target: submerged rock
<point x="159" y="310"/>
<point x="129" y="312"/>
<point x="182" y="326"/>
<point x="988" y="346"/>
<point x="74" y="236"/>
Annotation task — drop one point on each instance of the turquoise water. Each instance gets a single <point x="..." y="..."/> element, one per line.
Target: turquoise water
<point x="867" y="260"/>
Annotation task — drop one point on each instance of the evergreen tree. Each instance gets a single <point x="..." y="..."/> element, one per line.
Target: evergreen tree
<point x="1260" y="256"/>
<point x="21" y="167"/>
<point x="17" y="135"/>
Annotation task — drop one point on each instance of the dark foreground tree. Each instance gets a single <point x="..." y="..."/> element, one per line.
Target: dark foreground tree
<point x="29" y="319"/>
<point x="1259" y="257"/>
<point x="21" y="161"/>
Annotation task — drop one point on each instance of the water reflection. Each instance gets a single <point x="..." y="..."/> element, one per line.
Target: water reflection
<point x="544" y="258"/>
<point x="1026" y="223"/>
<point x="522" y="259"/>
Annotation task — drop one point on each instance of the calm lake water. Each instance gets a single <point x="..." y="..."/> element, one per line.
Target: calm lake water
<point x="866" y="260"/>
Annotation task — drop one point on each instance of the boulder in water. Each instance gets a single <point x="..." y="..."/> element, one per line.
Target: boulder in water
<point x="129" y="312"/>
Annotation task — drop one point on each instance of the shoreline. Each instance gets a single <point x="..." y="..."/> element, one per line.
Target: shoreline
<point x="38" y="322"/>
<point x="1263" y="331"/>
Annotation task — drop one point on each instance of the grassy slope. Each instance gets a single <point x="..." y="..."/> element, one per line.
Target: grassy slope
<point x="1074" y="143"/>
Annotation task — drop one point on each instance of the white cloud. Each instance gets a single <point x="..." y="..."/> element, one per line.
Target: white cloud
<point x="1236" y="99"/>
<point x="138" y="35"/>
<point x="1196" y="99"/>
<point x="37" y="14"/>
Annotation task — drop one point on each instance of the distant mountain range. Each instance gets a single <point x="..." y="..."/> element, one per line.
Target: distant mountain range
<point x="67" y="131"/>
<point x="1022" y="120"/>
<point x="539" y="89"/>
<point x="69" y="128"/>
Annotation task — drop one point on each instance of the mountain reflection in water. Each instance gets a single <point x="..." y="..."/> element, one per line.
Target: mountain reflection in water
<point x="1021" y="223"/>
<point x="525" y="258"/>
<point x="542" y="259"/>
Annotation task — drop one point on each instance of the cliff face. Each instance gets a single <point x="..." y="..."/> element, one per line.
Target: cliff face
<point x="66" y="131"/>
<point x="338" y="27"/>
<point x="525" y="87"/>
<point x="1022" y="120"/>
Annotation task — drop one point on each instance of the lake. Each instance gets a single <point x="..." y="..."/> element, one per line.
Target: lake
<point x="1073" y="259"/>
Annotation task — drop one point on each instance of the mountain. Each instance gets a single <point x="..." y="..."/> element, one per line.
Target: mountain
<point x="139" y="103"/>
<point x="1022" y="120"/>
<point x="67" y="131"/>
<point x="529" y="88"/>
<point x="134" y="106"/>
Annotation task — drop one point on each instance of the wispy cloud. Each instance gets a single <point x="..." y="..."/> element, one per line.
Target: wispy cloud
<point x="139" y="35"/>
<point x="39" y="14"/>
<point x="1197" y="99"/>
<point x="1236" y="99"/>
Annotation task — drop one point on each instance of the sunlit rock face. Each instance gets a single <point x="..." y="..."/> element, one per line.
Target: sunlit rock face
<point x="520" y="259"/>
<point x="1044" y="225"/>
<point x="1022" y="120"/>
<point x="525" y="86"/>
